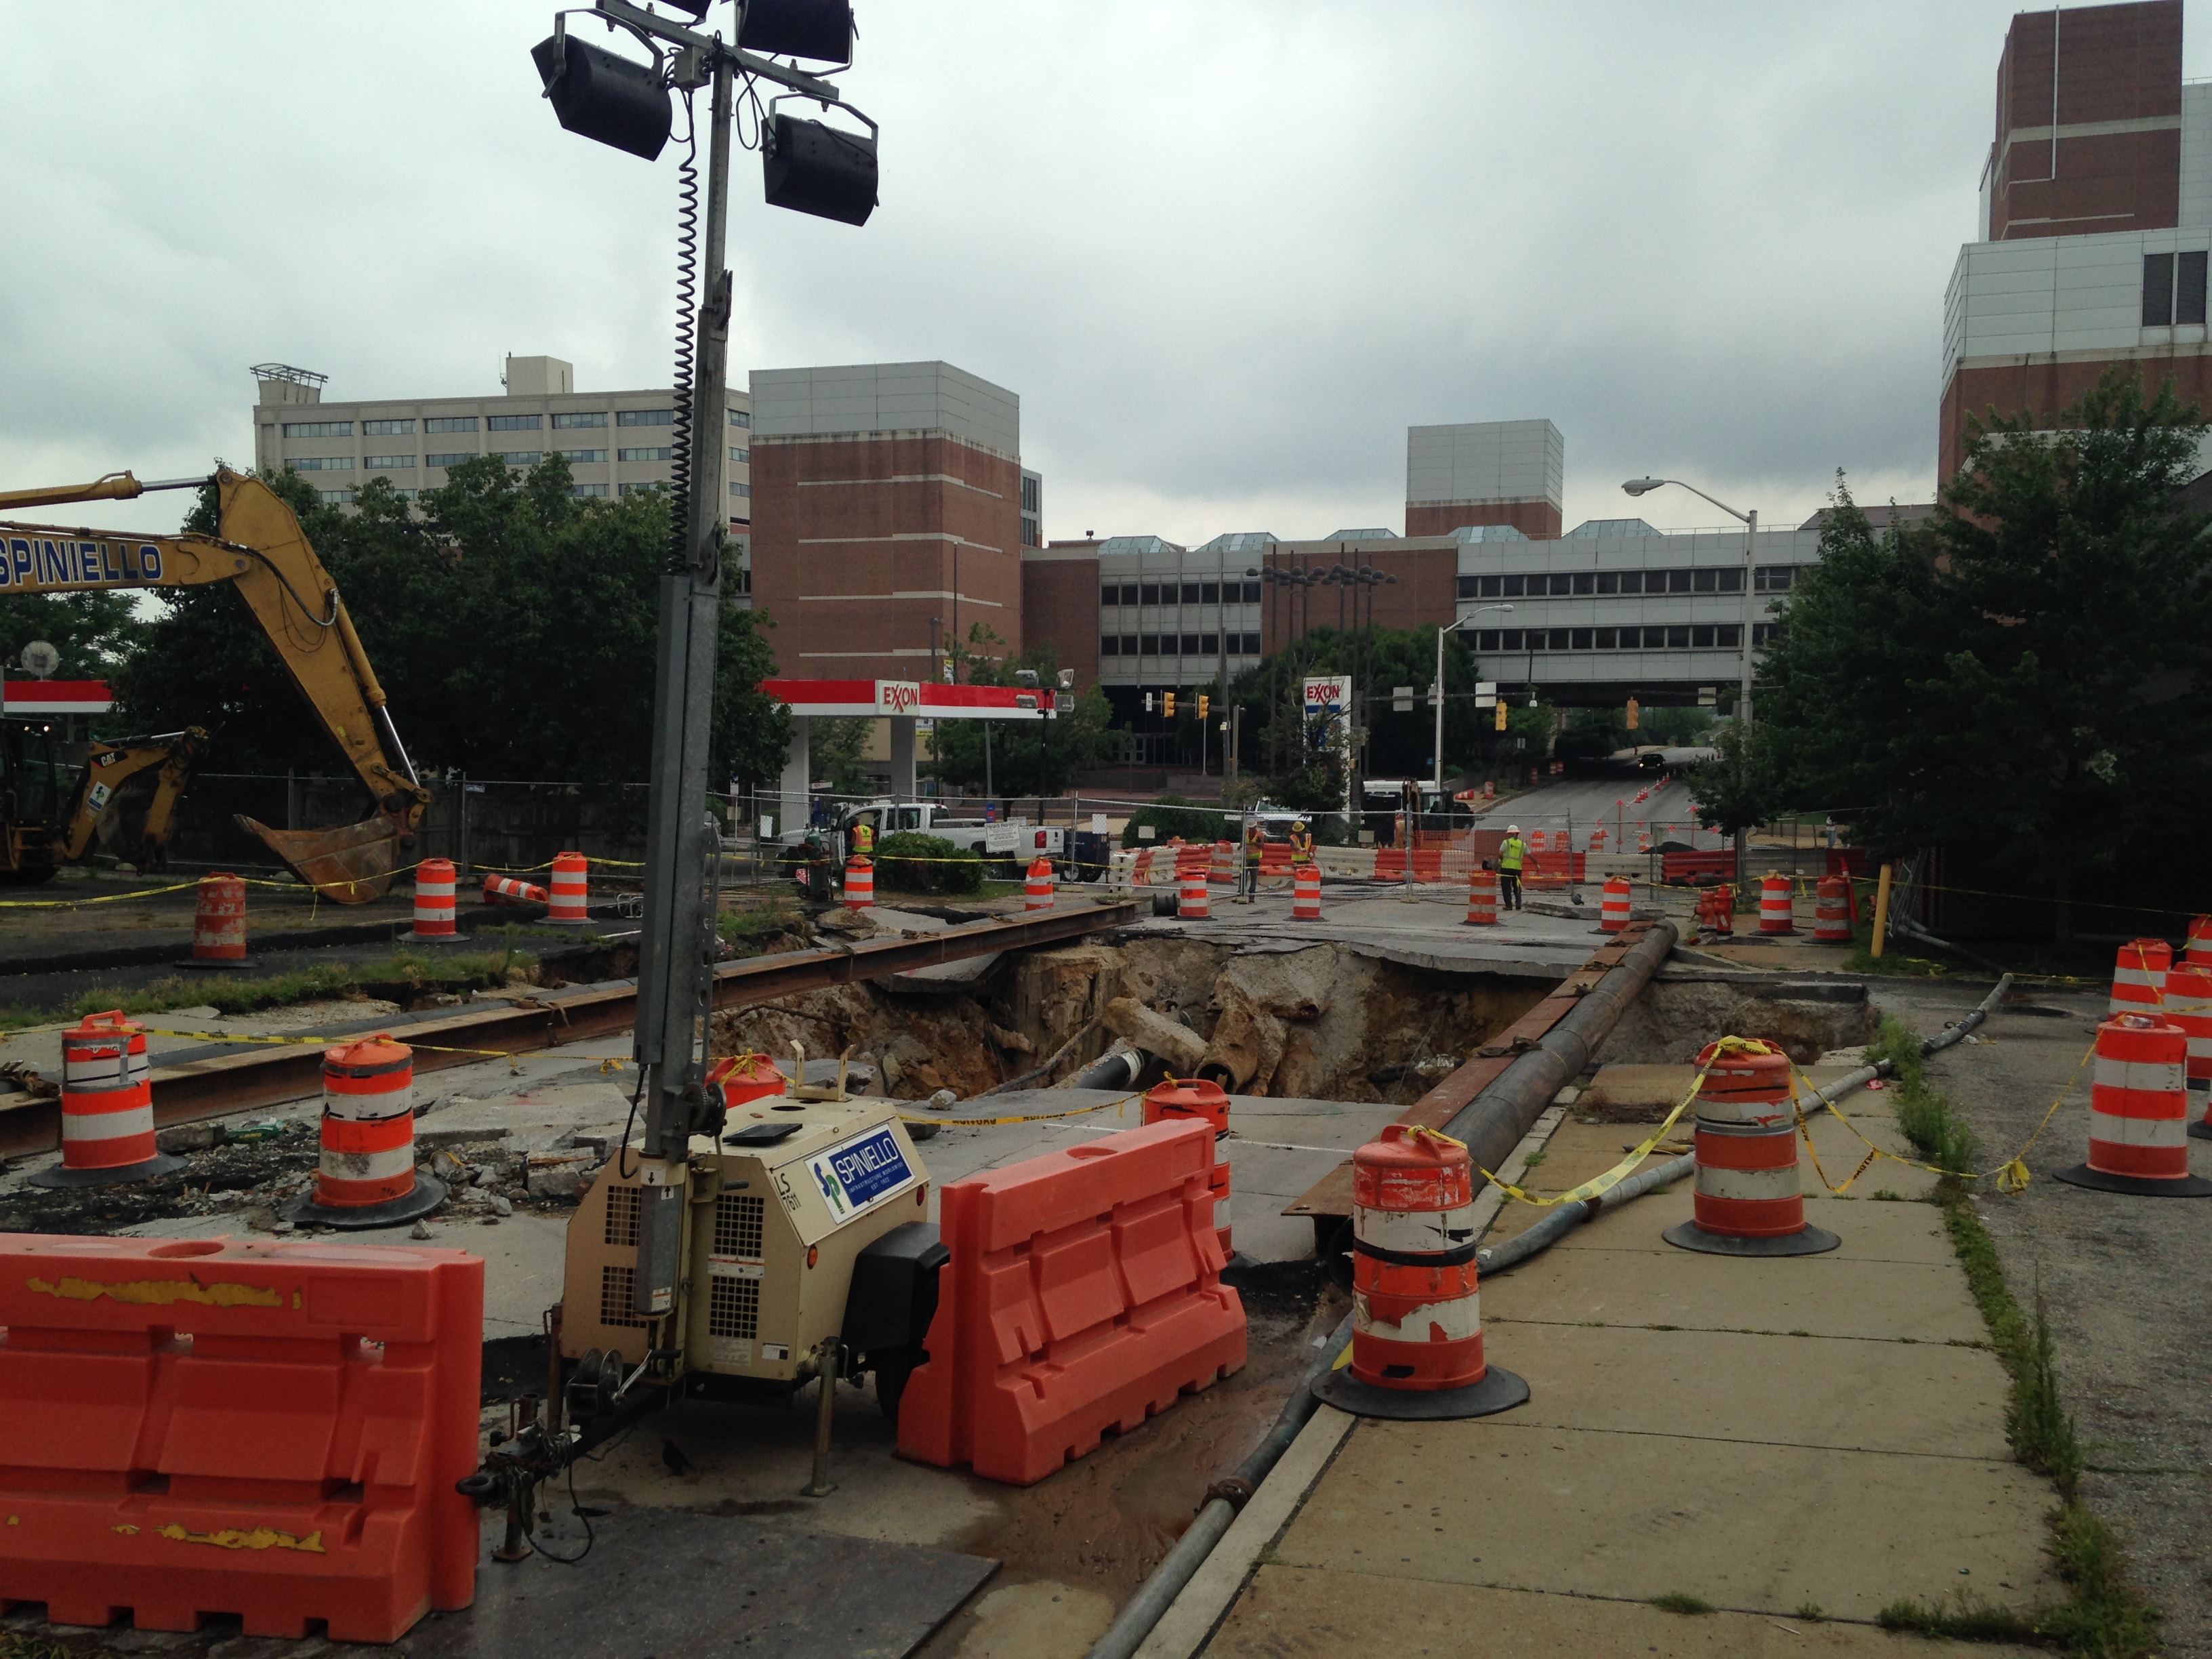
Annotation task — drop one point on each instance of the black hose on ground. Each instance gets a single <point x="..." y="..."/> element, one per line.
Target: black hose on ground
<point x="1145" y="1610"/>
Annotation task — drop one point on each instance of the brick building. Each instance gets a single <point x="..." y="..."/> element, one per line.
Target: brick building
<point x="2096" y="220"/>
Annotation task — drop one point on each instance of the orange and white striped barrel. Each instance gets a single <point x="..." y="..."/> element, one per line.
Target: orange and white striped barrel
<point x="1831" y="918"/>
<point x="2198" y="952"/>
<point x="1197" y="899"/>
<point x="1597" y="839"/>
<point x="1482" y="899"/>
<point x="1775" y="915"/>
<point x="1748" y="1199"/>
<point x="1178" y="1099"/>
<point x="859" y="884"/>
<point x="2188" y="1005"/>
<point x="369" y="1124"/>
<point x="1643" y="835"/>
<point x="1539" y="841"/>
<point x="2139" y="1112"/>
<point x="1490" y="789"/>
<point x="1416" y="1299"/>
<point x="1217" y="1183"/>
<point x="108" y="1094"/>
<point x="1614" y="914"/>
<point x="1224" y="866"/>
<point x="1305" y="894"/>
<point x="506" y="890"/>
<point x="434" y="899"/>
<point x="1037" y="890"/>
<point x="219" y="924"/>
<point x="2139" y="976"/>
<point x="571" y="890"/>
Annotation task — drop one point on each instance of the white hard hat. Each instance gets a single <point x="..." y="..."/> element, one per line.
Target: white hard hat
<point x="1512" y="828"/>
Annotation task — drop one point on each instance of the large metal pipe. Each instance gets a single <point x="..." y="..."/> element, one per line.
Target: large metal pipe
<point x="1492" y="1123"/>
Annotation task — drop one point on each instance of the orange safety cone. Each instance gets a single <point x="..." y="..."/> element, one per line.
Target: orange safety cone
<point x="1482" y="899"/>
<point x="2188" y="1005"/>
<point x="1305" y="894"/>
<point x="1716" y="911"/>
<point x="1597" y="839"/>
<point x="107" y="1107"/>
<point x="1037" y="891"/>
<point x="1831" y="917"/>
<point x="1196" y="903"/>
<point x="1748" y="1199"/>
<point x="2139" y="976"/>
<point x="2198" y="952"/>
<point x="366" y="1176"/>
<point x="2139" y="1112"/>
<point x="1643" y="835"/>
<point x="1416" y="1295"/>
<point x="434" y="900"/>
<point x="567" y="906"/>
<point x="506" y="890"/>
<point x="219" y="922"/>
<point x="1614" y="914"/>
<point x="1775" y="914"/>
<point x="859" y="884"/>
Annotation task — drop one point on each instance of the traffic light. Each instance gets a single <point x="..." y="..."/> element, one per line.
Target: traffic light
<point x="1167" y="704"/>
<point x="1501" y="714"/>
<point x="1205" y="703"/>
<point x="1635" y="711"/>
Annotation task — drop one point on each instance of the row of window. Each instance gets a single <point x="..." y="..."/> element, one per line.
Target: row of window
<point x="1674" y="636"/>
<point x="1766" y="578"/>
<point x="397" y="428"/>
<point x="2172" y="289"/>
<point x="1168" y="645"/>
<point x="512" y="457"/>
<point x="1188" y="592"/>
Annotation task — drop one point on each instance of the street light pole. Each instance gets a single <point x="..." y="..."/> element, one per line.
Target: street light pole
<point x="1437" y="759"/>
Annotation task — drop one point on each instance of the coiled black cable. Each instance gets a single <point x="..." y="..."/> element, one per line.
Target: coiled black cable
<point x="687" y="323"/>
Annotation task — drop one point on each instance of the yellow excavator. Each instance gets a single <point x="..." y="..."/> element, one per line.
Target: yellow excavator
<point x="260" y="549"/>
<point x="115" y="801"/>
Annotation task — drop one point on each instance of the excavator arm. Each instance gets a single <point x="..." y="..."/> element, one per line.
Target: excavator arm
<point x="107" y="769"/>
<point x="262" y="551"/>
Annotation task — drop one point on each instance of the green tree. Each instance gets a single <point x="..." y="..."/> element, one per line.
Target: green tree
<point x="834" y="747"/>
<point x="1028" y="756"/>
<point x="94" y="633"/>
<point x="1277" y="738"/>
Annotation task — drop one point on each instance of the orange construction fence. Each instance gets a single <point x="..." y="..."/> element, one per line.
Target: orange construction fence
<point x="269" y="1429"/>
<point x="1084" y="1295"/>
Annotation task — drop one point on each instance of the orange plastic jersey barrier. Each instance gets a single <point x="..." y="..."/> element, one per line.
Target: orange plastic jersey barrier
<point x="206" y="1427"/>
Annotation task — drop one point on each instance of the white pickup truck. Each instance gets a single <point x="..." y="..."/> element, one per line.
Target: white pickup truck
<point x="1009" y="843"/>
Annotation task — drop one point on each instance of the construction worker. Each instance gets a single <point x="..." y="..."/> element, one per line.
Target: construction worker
<point x="1510" y="857"/>
<point x="1300" y="844"/>
<point x="864" y="840"/>
<point x="1256" y="853"/>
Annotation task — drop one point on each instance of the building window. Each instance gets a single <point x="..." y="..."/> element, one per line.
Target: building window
<point x="645" y="417"/>
<point x="319" y="428"/>
<point x="387" y="429"/>
<point x="742" y="457"/>
<point x="1148" y="593"/>
<point x="634" y="489"/>
<point x="1559" y="639"/>
<point x="1586" y="581"/>
<point x="594" y="417"/>
<point x="336" y="497"/>
<point x="1486" y="640"/>
<point x="644" y="455"/>
<point x="1190" y="593"/>
<point x="1632" y="582"/>
<point x="1581" y="640"/>
<point x="451" y="423"/>
<point x="1605" y="639"/>
<point x="1773" y="578"/>
<point x="1191" y="647"/>
<point x="1608" y="581"/>
<point x="321" y="463"/>
<point x="741" y="417"/>
<point x="1110" y="644"/>
<point x="1729" y="637"/>
<point x="579" y="457"/>
<point x="1029" y="494"/>
<point x="1109" y="595"/>
<point x="1509" y="639"/>
<point x="1149" y="645"/>
<point x="514" y="423"/>
<point x="1209" y="593"/>
<point x="1731" y="581"/>
<point x="1128" y="644"/>
<point x="1469" y="587"/>
<point x="1765" y="633"/>
<point x="1678" y="639"/>
<point x="1209" y="645"/>
<point x="451" y="459"/>
<point x="741" y="490"/>
<point x="1562" y="584"/>
<point x="1251" y="593"/>
<point x="2172" y="289"/>
<point x="587" y="489"/>
<point x="387" y="463"/>
<point x="1701" y="638"/>
<point x="1251" y="645"/>
<point x="1704" y="581"/>
<point x="1678" y="581"/>
<point x="1029" y="537"/>
<point x="1514" y="588"/>
<point x="521" y="456"/>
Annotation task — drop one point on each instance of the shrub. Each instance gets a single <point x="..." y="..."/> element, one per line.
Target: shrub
<point x="1171" y="816"/>
<point x="915" y="863"/>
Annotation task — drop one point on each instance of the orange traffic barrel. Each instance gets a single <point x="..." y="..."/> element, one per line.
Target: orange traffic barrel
<point x="1194" y="1097"/>
<point x="434" y="900"/>
<point x="2198" y="949"/>
<point x="1775" y="915"/>
<point x="1197" y="900"/>
<point x="1643" y="837"/>
<point x="741" y="1077"/>
<point x="107" y="1107"/>
<point x="1036" y="888"/>
<point x="1482" y="899"/>
<point x="1716" y="910"/>
<point x="1614" y="914"/>
<point x="571" y="890"/>
<point x="1416" y="1299"/>
<point x="2188" y="1005"/>
<point x="2139" y="976"/>
<point x="1305" y="894"/>
<point x="859" y="884"/>
<point x="2139" y="1112"/>
<point x="219" y="923"/>
<point x="366" y="1175"/>
<point x="1748" y="1199"/>
<point x="1831" y="916"/>
<point x="506" y="890"/>
<point x="1539" y="841"/>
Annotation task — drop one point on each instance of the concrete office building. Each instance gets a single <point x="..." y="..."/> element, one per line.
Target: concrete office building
<point x="2096" y="221"/>
<point x="616" y="442"/>
<point x="890" y="516"/>
<point x="1503" y="472"/>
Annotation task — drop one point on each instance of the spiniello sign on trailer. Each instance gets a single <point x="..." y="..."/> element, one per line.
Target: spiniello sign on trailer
<point x="858" y="1172"/>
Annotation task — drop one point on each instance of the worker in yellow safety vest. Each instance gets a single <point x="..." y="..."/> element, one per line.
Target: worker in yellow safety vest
<point x="1301" y="844"/>
<point x="1255" y="854"/>
<point x="864" y="840"/>
<point x="1510" y="857"/>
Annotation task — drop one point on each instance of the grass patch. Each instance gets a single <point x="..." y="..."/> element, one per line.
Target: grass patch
<point x="230" y="994"/>
<point x="1925" y="1117"/>
<point x="1680" y="1601"/>
<point x="1810" y="1613"/>
<point x="1970" y="1620"/>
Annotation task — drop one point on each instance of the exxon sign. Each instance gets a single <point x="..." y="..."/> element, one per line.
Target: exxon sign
<point x="1327" y="693"/>
<point x="897" y="697"/>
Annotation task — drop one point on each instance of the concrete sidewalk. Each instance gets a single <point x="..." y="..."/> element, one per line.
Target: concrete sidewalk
<point x="1796" y="1443"/>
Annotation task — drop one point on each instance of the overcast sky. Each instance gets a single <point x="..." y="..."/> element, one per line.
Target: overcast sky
<point x="1226" y="253"/>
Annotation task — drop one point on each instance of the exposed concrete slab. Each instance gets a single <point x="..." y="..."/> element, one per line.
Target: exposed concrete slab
<point x="1517" y="1504"/>
<point x="1872" y="1230"/>
<point x="1319" y="1613"/>
<point x="1923" y="1398"/>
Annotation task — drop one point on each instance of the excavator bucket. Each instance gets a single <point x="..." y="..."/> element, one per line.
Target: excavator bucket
<point x="352" y="865"/>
